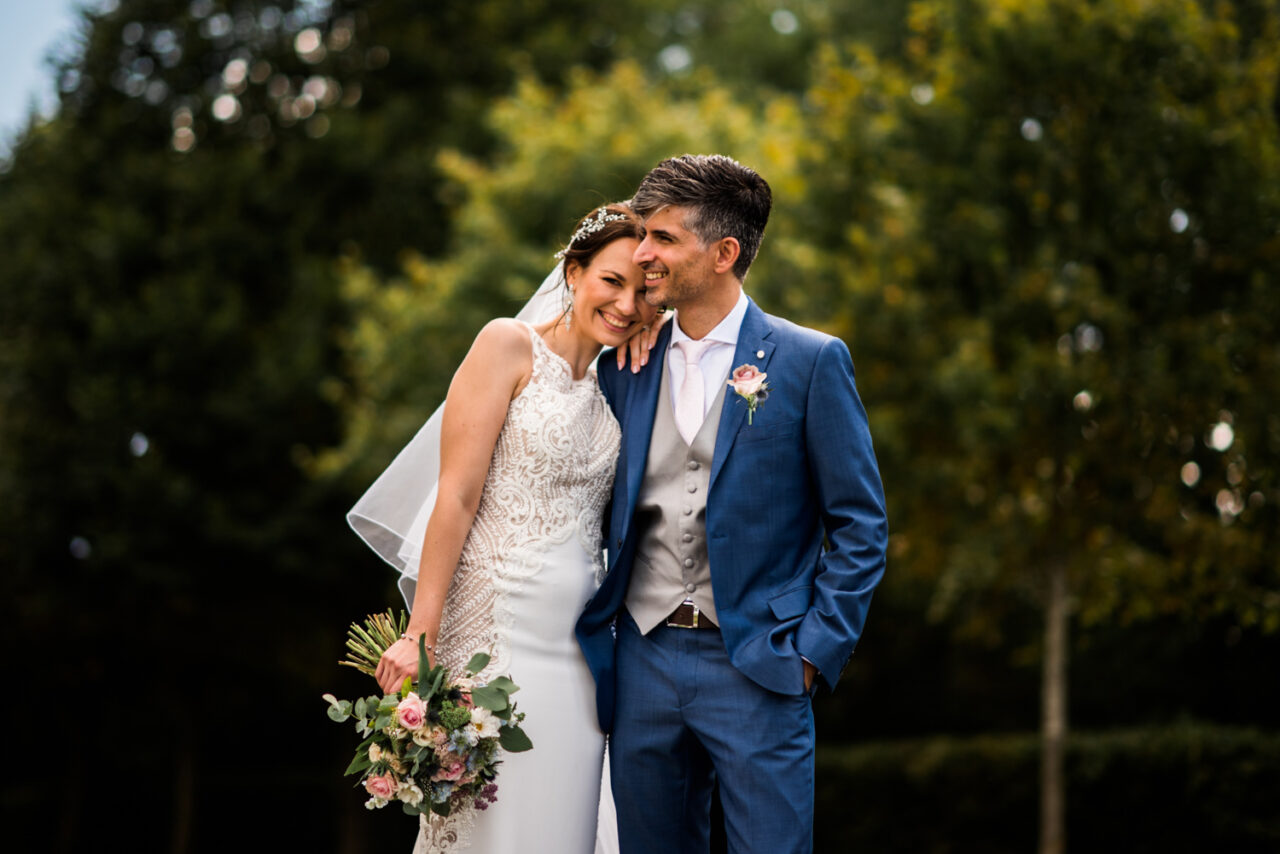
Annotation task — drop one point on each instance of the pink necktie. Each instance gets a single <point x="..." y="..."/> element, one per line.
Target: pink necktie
<point x="691" y="398"/>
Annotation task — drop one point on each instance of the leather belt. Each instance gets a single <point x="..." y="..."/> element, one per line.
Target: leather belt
<point x="687" y="616"/>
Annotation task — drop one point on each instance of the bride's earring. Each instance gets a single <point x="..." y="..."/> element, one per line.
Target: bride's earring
<point x="568" y="311"/>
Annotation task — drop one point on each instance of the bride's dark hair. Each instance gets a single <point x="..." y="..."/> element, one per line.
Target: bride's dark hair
<point x="598" y="229"/>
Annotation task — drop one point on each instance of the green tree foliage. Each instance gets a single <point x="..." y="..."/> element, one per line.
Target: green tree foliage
<point x="1063" y="219"/>
<point x="1073" y="319"/>
<point x="557" y="156"/>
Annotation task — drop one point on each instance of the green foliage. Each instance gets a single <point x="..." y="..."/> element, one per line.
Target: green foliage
<point x="1063" y="216"/>
<point x="1002" y="206"/>
<point x="1186" y="788"/>
<point x="559" y="156"/>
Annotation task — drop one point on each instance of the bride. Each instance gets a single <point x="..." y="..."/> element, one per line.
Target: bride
<point x="507" y="546"/>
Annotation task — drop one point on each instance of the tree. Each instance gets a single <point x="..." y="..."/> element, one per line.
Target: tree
<point x="557" y="156"/>
<point x="1064" y="285"/>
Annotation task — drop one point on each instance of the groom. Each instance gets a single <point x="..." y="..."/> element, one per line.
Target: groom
<point x="746" y="533"/>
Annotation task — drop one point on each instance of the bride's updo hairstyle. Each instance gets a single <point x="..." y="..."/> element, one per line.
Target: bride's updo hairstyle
<point x="597" y="230"/>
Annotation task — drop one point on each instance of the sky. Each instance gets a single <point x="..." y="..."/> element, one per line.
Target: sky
<point x="29" y="30"/>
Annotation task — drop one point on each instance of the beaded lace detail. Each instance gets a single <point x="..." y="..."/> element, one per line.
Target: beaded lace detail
<point x="548" y="482"/>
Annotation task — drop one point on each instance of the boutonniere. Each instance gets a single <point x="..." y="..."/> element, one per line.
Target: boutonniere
<point x="748" y="383"/>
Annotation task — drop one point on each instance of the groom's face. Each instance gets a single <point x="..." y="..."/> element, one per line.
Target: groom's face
<point x="677" y="267"/>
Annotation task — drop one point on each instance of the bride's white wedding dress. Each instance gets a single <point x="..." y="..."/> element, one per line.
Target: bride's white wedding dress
<point x="530" y="562"/>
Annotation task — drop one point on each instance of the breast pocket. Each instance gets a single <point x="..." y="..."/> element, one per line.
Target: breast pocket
<point x="758" y="432"/>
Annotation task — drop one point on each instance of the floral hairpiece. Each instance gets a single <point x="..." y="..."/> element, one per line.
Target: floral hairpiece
<point x="597" y="221"/>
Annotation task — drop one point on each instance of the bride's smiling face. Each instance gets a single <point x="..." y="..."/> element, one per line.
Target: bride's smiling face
<point x="608" y="294"/>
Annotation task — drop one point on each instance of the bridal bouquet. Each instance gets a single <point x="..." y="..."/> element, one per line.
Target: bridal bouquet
<point x="433" y="746"/>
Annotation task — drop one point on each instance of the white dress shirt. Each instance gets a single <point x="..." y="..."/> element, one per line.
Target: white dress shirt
<point x="717" y="360"/>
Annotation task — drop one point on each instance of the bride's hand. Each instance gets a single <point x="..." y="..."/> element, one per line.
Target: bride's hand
<point x="639" y="345"/>
<point x="400" y="660"/>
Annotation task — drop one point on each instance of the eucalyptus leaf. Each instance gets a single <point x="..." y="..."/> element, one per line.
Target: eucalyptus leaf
<point x="409" y="809"/>
<point x="360" y="707"/>
<point x="336" y="714"/>
<point x="502" y="683"/>
<point x="440" y="809"/>
<point x="514" y="740"/>
<point x="382" y="721"/>
<point x="478" y="662"/>
<point x="489" y="698"/>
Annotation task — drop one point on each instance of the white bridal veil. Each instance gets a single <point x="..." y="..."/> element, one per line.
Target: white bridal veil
<point x="391" y="517"/>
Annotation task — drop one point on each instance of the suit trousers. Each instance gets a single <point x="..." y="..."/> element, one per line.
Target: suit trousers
<point x="687" y="718"/>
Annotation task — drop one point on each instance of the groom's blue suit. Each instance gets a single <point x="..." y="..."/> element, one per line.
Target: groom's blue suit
<point x="802" y="470"/>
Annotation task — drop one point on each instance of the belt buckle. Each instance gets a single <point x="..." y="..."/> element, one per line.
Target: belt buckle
<point x="693" y="624"/>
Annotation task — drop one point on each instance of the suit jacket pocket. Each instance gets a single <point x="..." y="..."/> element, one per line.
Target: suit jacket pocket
<point x="760" y="432"/>
<point x="793" y="603"/>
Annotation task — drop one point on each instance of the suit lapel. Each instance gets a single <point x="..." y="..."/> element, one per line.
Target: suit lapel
<point x="637" y="430"/>
<point x="753" y="339"/>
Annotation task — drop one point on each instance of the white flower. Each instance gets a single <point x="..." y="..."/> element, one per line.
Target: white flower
<point x="422" y="737"/>
<point x="484" y="723"/>
<point x="375" y="753"/>
<point x="409" y="793"/>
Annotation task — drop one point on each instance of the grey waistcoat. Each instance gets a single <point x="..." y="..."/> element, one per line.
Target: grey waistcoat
<point x="671" y="517"/>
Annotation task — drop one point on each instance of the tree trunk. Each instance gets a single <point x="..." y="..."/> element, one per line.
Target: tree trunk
<point x="183" y="791"/>
<point x="1053" y="721"/>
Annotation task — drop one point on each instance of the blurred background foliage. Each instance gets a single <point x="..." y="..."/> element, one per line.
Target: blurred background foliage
<point x="246" y="254"/>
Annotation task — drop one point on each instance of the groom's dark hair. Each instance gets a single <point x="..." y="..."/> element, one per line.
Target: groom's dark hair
<point x="725" y="199"/>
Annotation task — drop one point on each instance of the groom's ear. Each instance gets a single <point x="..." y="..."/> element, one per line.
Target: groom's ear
<point x="727" y="251"/>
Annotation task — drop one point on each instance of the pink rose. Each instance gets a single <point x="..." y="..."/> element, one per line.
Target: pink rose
<point x="747" y="379"/>
<point x="450" y="771"/>
<point x="382" y="786"/>
<point x="411" y="712"/>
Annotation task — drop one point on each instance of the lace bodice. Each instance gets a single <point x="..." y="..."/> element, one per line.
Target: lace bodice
<point x="548" y="482"/>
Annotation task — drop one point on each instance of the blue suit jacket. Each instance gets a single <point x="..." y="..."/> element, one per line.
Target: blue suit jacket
<point x="803" y="468"/>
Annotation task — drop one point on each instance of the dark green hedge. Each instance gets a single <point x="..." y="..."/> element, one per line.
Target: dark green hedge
<point x="1185" y="788"/>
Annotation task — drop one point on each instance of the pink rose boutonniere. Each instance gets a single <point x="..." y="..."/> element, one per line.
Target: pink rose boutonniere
<point x="748" y="383"/>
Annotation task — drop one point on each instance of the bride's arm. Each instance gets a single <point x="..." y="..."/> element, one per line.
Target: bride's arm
<point x="640" y="343"/>
<point x="494" y="371"/>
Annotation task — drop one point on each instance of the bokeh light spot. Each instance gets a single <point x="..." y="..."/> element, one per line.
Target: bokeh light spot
<point x="309" y="45"/>
<point x="184" y="139"/>
<point x="1221" y="436"/>
<point x="674" y="58"/>
<point x="784" y="21"/>
<point x="226" y="108"/>
<point x="235" y="73"/>
<point x="80" y="548"/>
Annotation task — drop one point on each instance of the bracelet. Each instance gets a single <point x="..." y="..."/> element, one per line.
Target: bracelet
<point x="409" y="637"/>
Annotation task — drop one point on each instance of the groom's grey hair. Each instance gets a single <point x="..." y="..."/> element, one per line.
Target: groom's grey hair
<point x="724" y="199"/>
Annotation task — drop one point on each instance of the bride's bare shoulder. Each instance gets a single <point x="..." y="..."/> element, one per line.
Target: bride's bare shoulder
<point x="504" y="337"/>
<point x="501" y="354"/>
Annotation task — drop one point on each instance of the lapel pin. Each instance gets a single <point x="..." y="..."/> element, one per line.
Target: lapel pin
<point x="759" y="354"/>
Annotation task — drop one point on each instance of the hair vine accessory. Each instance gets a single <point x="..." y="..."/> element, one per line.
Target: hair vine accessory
<point x="594" y="223"/>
